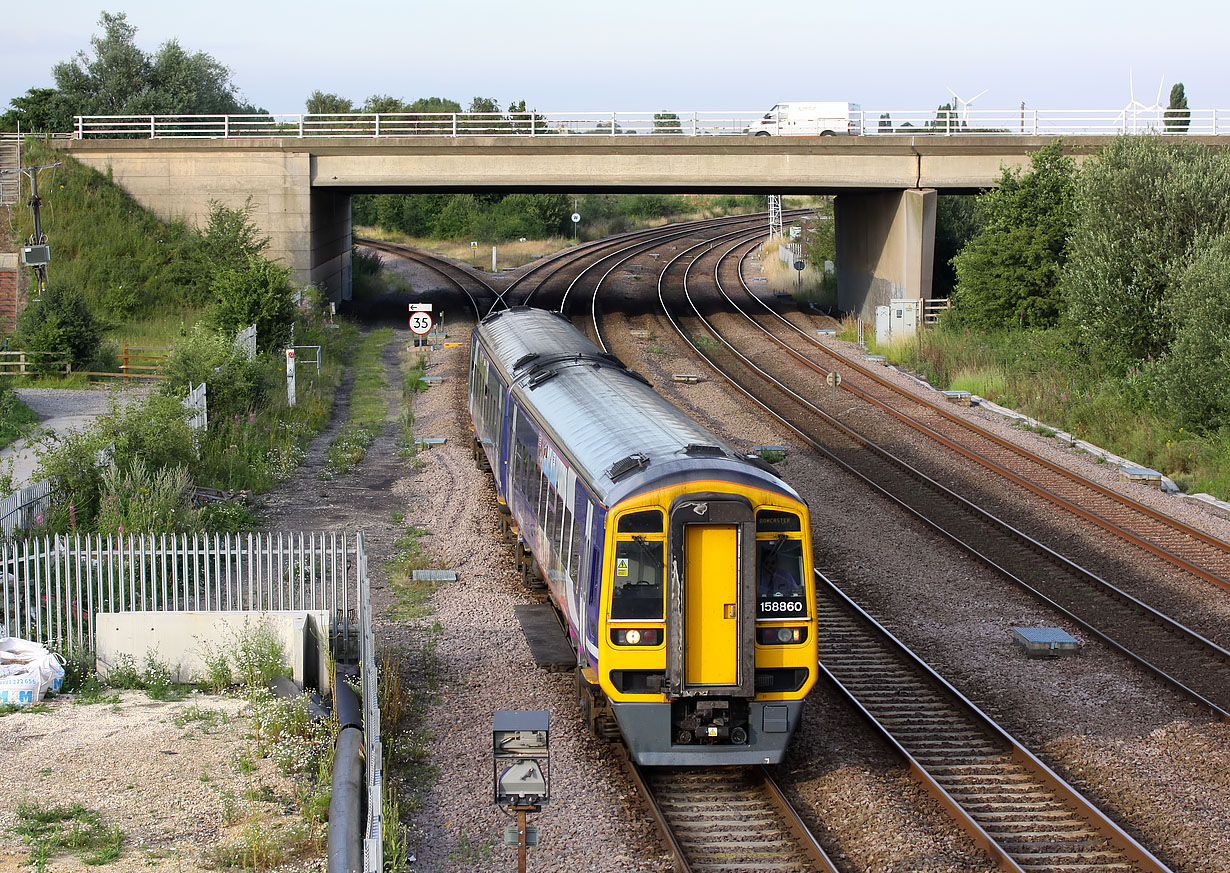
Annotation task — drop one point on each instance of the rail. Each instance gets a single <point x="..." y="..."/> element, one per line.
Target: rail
<point x="866" y="122"/>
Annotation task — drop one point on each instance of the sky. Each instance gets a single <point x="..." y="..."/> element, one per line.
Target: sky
<point x="679" y="55"/>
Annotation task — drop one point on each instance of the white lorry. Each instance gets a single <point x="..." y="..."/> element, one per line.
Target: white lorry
<point x="810" y="119"/>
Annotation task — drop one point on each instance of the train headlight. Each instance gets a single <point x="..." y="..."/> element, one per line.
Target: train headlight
<point x="649" y="636"/>
<point x="781" y="636"/>
<point x="632" y="637"/>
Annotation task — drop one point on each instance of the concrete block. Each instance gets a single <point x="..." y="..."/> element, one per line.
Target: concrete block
<point x="1143" y="475"/>
<point x="182" y="639"/>
<point x="961" y="398"/>
<point x="1045" y="642"/>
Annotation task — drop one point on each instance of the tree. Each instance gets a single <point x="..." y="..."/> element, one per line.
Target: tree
<point x="1177" y="116"/>
<point x="1145" y="206"/>
<point x="41" y="110"/>
<point x="956" y="223"/>
<point x="1009" y="272"/>
<point x="383" y="104"/>
<point x="230" y="238"/>
<point x="667" y="122"/>
<point x="886" y="123"/>
<point x="60" y="326"/>
<point x="484" y="105"/>
<point x="1193" y="381"/>
<point x="121" y="79"/>
<point x="320" y="103"/>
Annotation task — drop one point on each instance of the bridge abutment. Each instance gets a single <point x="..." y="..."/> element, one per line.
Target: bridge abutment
<point x="885" y="247"/>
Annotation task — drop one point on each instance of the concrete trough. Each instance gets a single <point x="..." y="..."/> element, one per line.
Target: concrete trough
<point x="434" y="575"/>
<point x="428" y="442"/>
<point x="638" y="333"/>
<point x="1045" y="642"/>
<point x="1143" y="475"/>
<point x="183" y="640"/>
<point x="961" y="398"/>
<point x="876" y="359"/>
<point x="688" y="378"/>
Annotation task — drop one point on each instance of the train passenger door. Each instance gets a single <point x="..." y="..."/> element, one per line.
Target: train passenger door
<point x="710" y="604"/>
<point x="710" y="597"/>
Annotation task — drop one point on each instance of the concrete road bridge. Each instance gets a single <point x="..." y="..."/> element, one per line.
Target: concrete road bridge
<point x="301" y="172"/>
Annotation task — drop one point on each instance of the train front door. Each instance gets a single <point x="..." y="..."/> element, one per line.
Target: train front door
<point x="710" y="616"/>
<point x="711" y="604"/>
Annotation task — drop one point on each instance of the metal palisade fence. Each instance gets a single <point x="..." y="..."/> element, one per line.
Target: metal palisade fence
<point x="52" y="587"/>
<point x="373" y="831"/>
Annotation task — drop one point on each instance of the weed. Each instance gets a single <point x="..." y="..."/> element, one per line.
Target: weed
<point x="205" y="718"/>
<point x="204" y="777"/>
<point x="466" y="852"/>
<point x="12" y="708"/>
<point x="244" y="764"/>
<point x="50" y="829"/>
<point x="158" y="679"/>
<point x="259" y="656"/>
<point x="218" y="676"/>
<point x="123" y="673"/>
<point x="368" y="406"/>
<point x="413" y="597"/>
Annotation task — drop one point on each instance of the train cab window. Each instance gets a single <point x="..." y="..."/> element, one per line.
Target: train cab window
<point x="637" y="585"/>
<point x="648" y="521"/>
<point x="780" y="592"/>
<point x="776" y="521"/>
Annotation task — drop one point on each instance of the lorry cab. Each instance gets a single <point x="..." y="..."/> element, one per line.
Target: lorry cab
<point x="811" y="119"/>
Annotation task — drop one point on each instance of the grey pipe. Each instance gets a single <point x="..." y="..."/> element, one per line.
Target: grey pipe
<point x="346" y="804"/>
<point x="347" y="706"/>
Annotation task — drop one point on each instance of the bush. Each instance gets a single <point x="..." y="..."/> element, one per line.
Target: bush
<point x="61" y="327"/>
<point x="230" y="239"/>
<point x="235" y="385"/>
<point x="1193" y="380"/>
<point x="258" y="292"/>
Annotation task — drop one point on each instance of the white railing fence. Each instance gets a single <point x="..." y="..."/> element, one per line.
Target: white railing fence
<point x="867" y="122"/>
<point x="52" y="587"/>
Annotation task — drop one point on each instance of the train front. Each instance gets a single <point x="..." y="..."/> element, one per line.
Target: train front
<point x="708" y="628"/>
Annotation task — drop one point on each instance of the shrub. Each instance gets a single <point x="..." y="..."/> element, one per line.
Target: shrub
<point x="258" y="292"/>
<point x="235" y="384"/>
<point x="259" y="656"/>
<point x="230" y="239"/>
<point x="61" y="326"/>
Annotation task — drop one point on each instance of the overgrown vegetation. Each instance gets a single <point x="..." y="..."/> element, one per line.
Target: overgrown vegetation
<point x="51" y="829"/>
<point x="1097" y="299"/>
<point x="368" y="405"/>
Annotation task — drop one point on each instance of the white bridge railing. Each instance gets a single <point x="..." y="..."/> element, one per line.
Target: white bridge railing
<point x="877" y="122"/>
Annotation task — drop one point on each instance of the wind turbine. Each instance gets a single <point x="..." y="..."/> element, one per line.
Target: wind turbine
<point x="963" y="105"/>
<point x="1136" y="107"/>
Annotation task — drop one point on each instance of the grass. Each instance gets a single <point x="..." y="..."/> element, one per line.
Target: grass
<point x="412" y="599"/>
<point x="208" y="720"/>
<point x="32" y="708"/>
<point x="368" y="406"/>
<point x="811" y="285"/>
<point x="1046" y="375"/>
<point x="16" y="419"/>
<point x="49" y="830"/>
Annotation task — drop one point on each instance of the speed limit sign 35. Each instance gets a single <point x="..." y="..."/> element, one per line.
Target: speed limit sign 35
<point x="420" y="323"/>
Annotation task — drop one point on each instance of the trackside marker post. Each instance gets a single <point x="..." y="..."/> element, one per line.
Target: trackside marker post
<point x="290" y="377"/>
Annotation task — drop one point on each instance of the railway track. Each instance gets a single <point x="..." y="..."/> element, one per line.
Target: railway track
<point x="1018" y="810"/>
<point x="1139" y="525"/>
<point x="1185" y="659"/>
<point x="722" y="820"/>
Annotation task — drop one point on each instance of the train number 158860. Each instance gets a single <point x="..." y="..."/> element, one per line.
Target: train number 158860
<point x="781" y="606"/>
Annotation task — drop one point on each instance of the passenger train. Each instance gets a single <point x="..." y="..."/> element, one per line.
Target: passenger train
<point x="682" y="568"/>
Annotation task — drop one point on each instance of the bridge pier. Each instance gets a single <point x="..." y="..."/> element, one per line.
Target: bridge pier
<point x="885" y="247"/>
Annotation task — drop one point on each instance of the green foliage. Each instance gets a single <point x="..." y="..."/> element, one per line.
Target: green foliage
<point x="1145" y="205"/>
<point x="48" y="830"/>
<point x="956" y="223"/>
<point x="667" y="122"/>
<point x="60" y="327"/>
<point x="1177" y="117"/>
<point x="257" y="292"/>
<point x="145" y="499"/>
<point x="124" y="673"/>
<point x="1193" y="378"/>
<point x="259" y="656"/>
<point x="230" y="238"/>
<point x="122" y="79"/>
<point x="368" y="407"/>
<point x="1008" y="272"/>
<point x="158" y="679"/>
<point x="15" y="420"/>
<point x="234" y="384"/>
<point x="320" y="103"/>
<point x="126" y="261"/>
<point x="40" y="110"/>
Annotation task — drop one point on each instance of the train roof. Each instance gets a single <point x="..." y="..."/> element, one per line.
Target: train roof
<point x="620" y="434"/>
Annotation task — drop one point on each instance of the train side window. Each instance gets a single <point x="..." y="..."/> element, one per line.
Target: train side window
<point x="637" y="587"/>
<point x="780" y="592"/>
<point x="565" y="537"/>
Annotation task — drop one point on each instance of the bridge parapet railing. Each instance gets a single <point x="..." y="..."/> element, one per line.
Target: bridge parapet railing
<point x="867" y="122"/>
